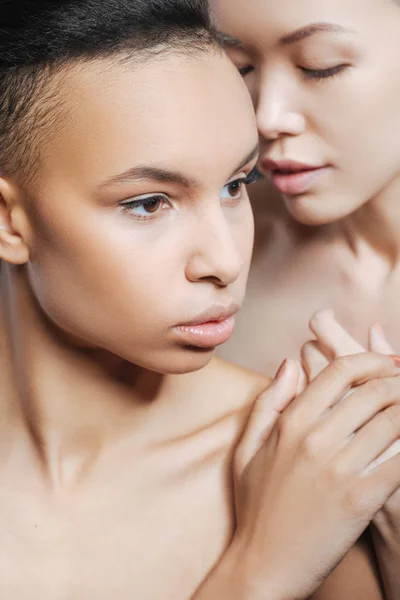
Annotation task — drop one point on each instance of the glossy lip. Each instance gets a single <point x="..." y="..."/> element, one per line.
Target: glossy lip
<point x="291" y="177"/>
<point x="210" y="328"/>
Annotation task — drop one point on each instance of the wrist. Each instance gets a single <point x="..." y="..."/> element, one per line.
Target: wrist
<point x="253" y="579"/>
<point x="235" y="578"/>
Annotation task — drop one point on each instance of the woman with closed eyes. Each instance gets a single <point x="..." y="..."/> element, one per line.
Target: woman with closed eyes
<point x="325" y="82"/>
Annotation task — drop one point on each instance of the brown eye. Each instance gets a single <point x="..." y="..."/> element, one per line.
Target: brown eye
<point x="145" y="206"/>
<point x="235" y="187"/>
<point x="152" y="205"/>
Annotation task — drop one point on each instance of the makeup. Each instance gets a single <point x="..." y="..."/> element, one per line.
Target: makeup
<point x="291" y="177"/>
<point x="210" y="328"/>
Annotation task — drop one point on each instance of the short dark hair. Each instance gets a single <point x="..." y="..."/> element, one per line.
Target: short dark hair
<point x="39" y="37"/>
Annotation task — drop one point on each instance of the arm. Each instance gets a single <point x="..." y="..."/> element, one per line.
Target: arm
<point x="334" y="341"/>
<point x="355" y="577"/>
<point x="303" y="500"/>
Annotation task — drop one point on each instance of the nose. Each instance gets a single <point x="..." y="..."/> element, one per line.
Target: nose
<point x="215" y="254"/>
<point x="276" y="115"/>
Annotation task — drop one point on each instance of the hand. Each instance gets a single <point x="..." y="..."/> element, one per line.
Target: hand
<point x="333" y="341"/>
<point x="304" y="499"/>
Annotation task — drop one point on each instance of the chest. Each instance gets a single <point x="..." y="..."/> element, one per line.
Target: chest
<point x="131" y="541"/>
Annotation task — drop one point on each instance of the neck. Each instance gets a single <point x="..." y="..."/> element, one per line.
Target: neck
<point x="67" y="403"/>
<point x="375" y="227"/>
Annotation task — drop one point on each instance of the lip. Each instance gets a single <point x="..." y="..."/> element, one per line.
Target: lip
<point x="210" y="328"/>
<point x="291" y="177"/>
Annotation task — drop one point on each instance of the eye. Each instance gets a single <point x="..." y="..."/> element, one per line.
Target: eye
<point x="234" y="189"/>
<point x="245" y="70"/>
<point x="323" y="73"/>
<point x="145" y="207"/>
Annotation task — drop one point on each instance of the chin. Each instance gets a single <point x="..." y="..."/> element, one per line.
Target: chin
<point x="187" y="361"/>
<point x="311" y="211"/>
<point x="177" y="361"/>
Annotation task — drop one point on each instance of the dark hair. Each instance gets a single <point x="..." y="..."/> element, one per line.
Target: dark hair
<point x="39" y="37"/>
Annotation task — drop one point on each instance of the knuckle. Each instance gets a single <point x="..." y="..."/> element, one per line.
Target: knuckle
<point x="341" y="366"/>
<point x="336" y="471"/>
<point x="311" y="446"/>
<point x="378" y="387"/>
<point x="392" y="414"/>
<point x="289" y="426"/>
<point x="358" y="502"/>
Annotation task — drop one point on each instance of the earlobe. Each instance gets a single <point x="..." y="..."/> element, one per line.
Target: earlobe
<point x="13" y="248"/>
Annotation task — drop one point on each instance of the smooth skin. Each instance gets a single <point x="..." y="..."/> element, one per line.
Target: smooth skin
<point x="120" y="470"/>
<point x="332" y="340"/>
<point x="330" y="98"/>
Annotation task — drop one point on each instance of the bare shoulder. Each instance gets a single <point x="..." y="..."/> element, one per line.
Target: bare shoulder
<point x="219" y="398"/>
<point x="233" y="388"/>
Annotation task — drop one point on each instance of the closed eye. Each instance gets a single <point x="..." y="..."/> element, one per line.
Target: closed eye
<point x="323" y="73"/>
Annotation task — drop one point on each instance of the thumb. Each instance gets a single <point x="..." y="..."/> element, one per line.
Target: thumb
<point x="266" y="411"/>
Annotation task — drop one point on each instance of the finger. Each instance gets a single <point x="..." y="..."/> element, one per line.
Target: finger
<point x="377" y="341"/>
<point x="267" y="409"/>
<point x="372" y="439"/>
<point x="389" y="453"/>
<point x="333" y="338"/>
<point x="356" y="410"/>
<point x="313" y="359"/>
<point x="302" y="382"/>
<point x="382" y="482"/>
<point x="333" y="383"/>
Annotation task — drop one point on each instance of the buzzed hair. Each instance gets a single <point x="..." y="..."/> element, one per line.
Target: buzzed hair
<point x="39" y="38"/>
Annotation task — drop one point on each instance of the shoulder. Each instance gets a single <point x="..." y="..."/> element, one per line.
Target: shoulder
<point x="235" y="386"/>
<point x="222" y="396"/>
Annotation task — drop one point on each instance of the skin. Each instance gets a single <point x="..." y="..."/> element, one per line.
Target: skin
<point x="99" y="452"/>
<point x="333" y="341"/>
<point x="350" y="122"/>
<point x="349" y="258"/>
<point x="111" y="425"/>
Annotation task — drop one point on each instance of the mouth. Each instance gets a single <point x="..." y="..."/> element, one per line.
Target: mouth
<point x="210" y="328"/>
<point x="292" y="178"/>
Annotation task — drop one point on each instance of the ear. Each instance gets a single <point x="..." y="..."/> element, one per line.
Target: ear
<point x="13" y="248"/>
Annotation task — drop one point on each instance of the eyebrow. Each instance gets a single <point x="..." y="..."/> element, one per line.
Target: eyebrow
<point x="291" y="38"/>
<point x="229" y="40"/>
<point x="152" y="173"/>
<point x="166" y="176"/>
<point x="313" y="28"/>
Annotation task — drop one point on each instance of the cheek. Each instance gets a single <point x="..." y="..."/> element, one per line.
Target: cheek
<point x="99" y="278"/>
<point x="244" y="235"/>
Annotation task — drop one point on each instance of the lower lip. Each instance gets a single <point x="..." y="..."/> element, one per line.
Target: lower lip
<point x="294" y="184"/>
<point x="207" y="335"/>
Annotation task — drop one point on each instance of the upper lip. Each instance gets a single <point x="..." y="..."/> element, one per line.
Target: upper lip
<point x="216" y="312"/>
<point x="291" y="166"/>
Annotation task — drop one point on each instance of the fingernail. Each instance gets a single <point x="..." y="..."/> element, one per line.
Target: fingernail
<point x="282" y="370"/>
<point x="395" y="360"/>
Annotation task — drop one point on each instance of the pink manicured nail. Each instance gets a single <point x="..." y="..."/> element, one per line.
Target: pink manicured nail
<point x="395" y="359"/>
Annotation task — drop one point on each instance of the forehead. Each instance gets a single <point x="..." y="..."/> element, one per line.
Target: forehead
<point x="269" y="20"/>
<point x="181" y="110"/>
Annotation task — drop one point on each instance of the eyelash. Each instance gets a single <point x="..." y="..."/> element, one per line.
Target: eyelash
<point x="319" y="74"/>
<point x="246" y="70"/>
<point x="252" y="177"/>
<point x="309" y="73"/>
